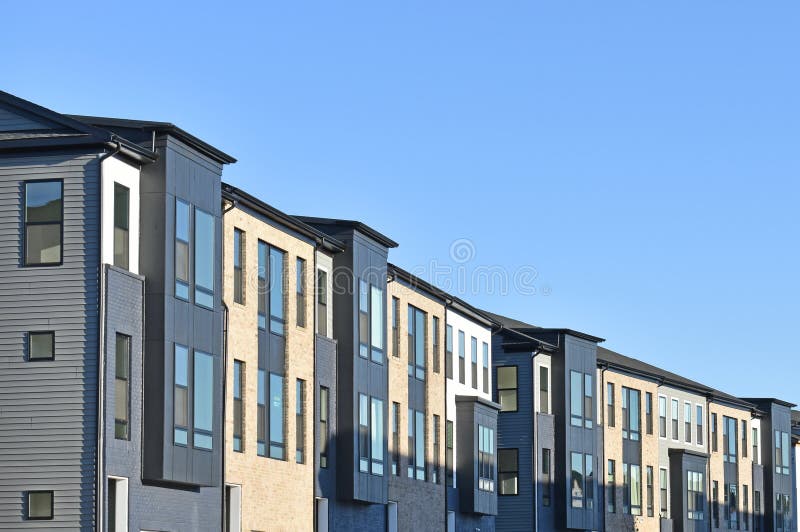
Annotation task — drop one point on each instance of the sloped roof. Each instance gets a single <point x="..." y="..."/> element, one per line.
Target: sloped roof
<point x="521" y="326"/>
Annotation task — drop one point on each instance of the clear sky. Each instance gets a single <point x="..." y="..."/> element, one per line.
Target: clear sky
<point x="643" y="157"/>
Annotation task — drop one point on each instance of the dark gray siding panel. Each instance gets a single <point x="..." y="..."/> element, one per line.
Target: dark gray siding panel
<point x="14" y="120"/>
<point x="325" y="371"/>
<point x="48" y="410"/>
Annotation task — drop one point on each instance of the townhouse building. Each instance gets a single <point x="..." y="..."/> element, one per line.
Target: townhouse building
<point x="796" y="463"/>
<point x="112" y="329"/>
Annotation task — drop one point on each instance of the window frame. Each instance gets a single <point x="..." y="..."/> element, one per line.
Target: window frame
<point x="611" y="420"/>
<point x="300" y="290"/>
<point x="324" y="420"/>
<point x="299" y="421"/>
<point x="662" y="419"/>
<point x="238" y="266"/>
<point x="184" y="284"/>
<point x="515" y="389"/>
<point x="119" y="187"/>
<point x="127" y="379"/>
<point x="52" y="357"/>
<point x="238" y="402"/>
<point x="485" y="366"/>
<point x="417" y="365"/>
<point x="28" y="516"/>
<point x="321" y="301"/>
<point x="501" y="471"/>
<point x="209" y="291"/>
<point x="486" y="459"/>
<point x="462" y="357"/>
<point x="26" y="223"/>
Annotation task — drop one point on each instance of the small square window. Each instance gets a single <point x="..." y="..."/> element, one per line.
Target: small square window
<point x="41" y="345"/>
<point x="40" y="505"/>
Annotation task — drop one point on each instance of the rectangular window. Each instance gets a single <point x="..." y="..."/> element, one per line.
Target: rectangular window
<point x="363" y="433"/>
<point x="300" y="421"/>
<point x="238" y="407"/>
<point x="699" y="424"/>
<point x="729" y="439"/>
<point x="277" y="317"/>
<point x="610" y="414"/>
<point x="648" y="412"/>
<point x="417" y="345"/>
<point x="507" y="388"/>
<point x="40" y="505"/>
<point x="437" y="479"/>
<point x="416" y="444"/>
<point x="782" y="452"/>
<point x="277" y="436"/>
<point x="745" y="504"/>
<point x="695" y="498"/>
<point x="754" y="438"/>
<point x="744" y="438"/>
<point x="544" y="389"/>
<point x="664" y="488"/>
<point x="121" y="224"/>
<point x="580" y="399"/>
<point x="437" y="346"/>
<point x="324" y="407"/>
<point x="485" y="360"/>
<point x="713" y="432"/>
<point x="732" y="506"/>
<point x="395" y="327"/>
<point x="715" y="503"/>
<point x="182" y="245"/>
<point x="462" y="358"/>
<point x="44" y="218"/>
<point x="687" y="422"/>
<point x="448" y="454"/>
<point x="41" y="345"/>
<point x="577" y="480"/>
<point x="376" y="312"/>
<point x="122" y="388"/>
<point x="486" y="459"/>
<point x="261" y="422"/>
<point x="674" y="419"/>
<point x="757" y="511"/>
<point x="508" y="471"/>
<point x="546" y="478"/>
<point x="376" y="436"/>
<point x="650" y="502"/>
<point x="395" y="439"/>
<point x="322" y="302"/>
<point x="117" y="504"/>
<point x="181" y="395"/>
<point x="300" y="288"/>
<point x="632" y="489"/>
<point x="630" y="414"/>
<point x="203" y="258"/>
<point x="263" y="253"/>
<point x="238" y="266"/>
<point x="611" y="499"/>
<point x="203" y="405"/>
<point x="448" y="351"/>
<point x="662" y="417"/>
<point x="474" y="345"/>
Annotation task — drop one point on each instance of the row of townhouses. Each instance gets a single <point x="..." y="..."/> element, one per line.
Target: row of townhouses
<point x="179" y="355"/>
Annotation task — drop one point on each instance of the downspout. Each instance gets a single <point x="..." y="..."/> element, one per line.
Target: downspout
<point x="224" y="370"/>
<point x="99" y="473"/>
<point x="603" y="461"/>
<point x="314" y="395"/>
<point x="447" y="304"/>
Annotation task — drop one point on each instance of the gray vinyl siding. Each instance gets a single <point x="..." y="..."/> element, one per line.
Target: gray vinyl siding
<point x="14" y="121"/>
<point x="48" y="409"/>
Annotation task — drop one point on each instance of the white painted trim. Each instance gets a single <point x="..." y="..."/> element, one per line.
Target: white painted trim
<point x="116" y="171"/>
<point x="122" y="500"/>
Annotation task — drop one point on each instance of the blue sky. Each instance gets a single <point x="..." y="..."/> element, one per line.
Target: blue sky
<point x="642" y="157"/>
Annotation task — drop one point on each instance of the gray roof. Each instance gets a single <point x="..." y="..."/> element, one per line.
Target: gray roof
<point x="323" y="223"/>
<point x="521" y="326"/>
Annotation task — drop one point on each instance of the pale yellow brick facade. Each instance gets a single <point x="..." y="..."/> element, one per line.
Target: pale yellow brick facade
<point x="276" y="495"/>
<point x="421" y="504"/>
<point x="716" y="461"/>
<point x="612" y="438"/>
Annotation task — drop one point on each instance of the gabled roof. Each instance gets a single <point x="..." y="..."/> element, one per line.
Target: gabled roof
<point x="238" y="196"/>
<point x="159" y="127"/>
<point x="527" y="328"/>
<point x="61" y="131"/>
<point x="326" y="224"/>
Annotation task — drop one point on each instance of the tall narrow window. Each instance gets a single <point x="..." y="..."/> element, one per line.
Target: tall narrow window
<point x="277" y="318"/>
<point x="122" y="388"/>
<point x="238" y="266"/>
<point x="650" y="494"/>
<point x="181" y="395"/>
<point x="238" y="408"/>
<point x="462" y="358"/>
<point x="662" y="417"/>
<point x="648" y="412"/>
<point x="324" y="406"/>
<point x="757" y="511"/>
<point x="436" y="448"/>
<point x="663" y="487"/>
<point x="715" y="503"/>
<point x="182" y="244"/>
<point x="754" y="438"/>
<point x="363" y="433"/>
<point x="486" y="458"/>
<point x="121" y="223"/>
<point x="485" y="360"/>
<point x="782" y="452"/>
<point x="635" y="484"/>
<point x="674" y="419"/>
<point x="589" y="487"/>
<point x="448" y="351"/>
<point x="687" y="422"/>
<point x="729" y="439"/>
<point x="611" y="499"/>
<point x="437" y="346"/>
<point x="732" y="506"/>
<point x="581" y="399"/>
<point x="203" y="400"/>
<point x="507" y="388"/>
<point x="204" y="258"/>
<point x="744" y="438"/>
<point x="448" y="454"/>
<point x="263" y="251"/>
<point x="300" y="291"/>
<point x="610" y="414"/>
<point x="395" y="327"/>
<point x="699" y="425"/>
<point x="44" y="216"/>
<point x="376" y="436"/>
<point x="745" y="504"/>
<point x="277" y="438"/>
<point x="508" y="471"/>
<point x="544" y="389"/>
<point x="416" y="444"/>
<point x="300" y="421"/>
<point x="376" y="310"/>
<point x="474" y="345"/>
<point x="713" y="432"/>
<point x="395" y="439"/>
<point x="631" y="425"/>
<point x="322" y="302"/>
<point x="417" y="346"/>
<point x="695" y="498"/>
<point x="577" y="482"/>
<point x="546" y="478"/>
<point x="261" y="422"/>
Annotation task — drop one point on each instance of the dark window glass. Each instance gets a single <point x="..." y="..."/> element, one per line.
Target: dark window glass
<point x="581" y="393"/>
<point x="41" y="345"/>
<point x="695" y="496"/>
<point x="650" y="502"/>
<point x="662" y="417"/>
<point x="121" y="225"/>
<point x="687" y="422"/>
<point x="363" y="433"/>
<point x="448" y="456"/>
<point x="203" y="258"/>
<point x="611" y="413"/>
<point x="715" y="503"/>
<point x="486" y="458"/>
<point x="648" y="411"/>
<point x="544" y="389"/>
<point x="238" y="266"/>
<point x="417" y="346"/>
<point x="437" y="479"/>
<point x="322" y="302"/>
<point x="675" y="419"/>
<point x="238" y="408"/>
<point x="39" y="505"/>
<point x="485" y="367"/>
<point x="630" y="414"/>
<point x="744" y="438"/>
<point x="263" y="251"/>
<point x="44" y="215"/>
<point x="395" y="439"/>
<point x="395" y="327"/>
<point x="577" y="480"/>
<point x="300" y="288"/>
<point x="323" y="426"/>
<point x="203" y="400"/>
<point x="462" y="358"/>
<point x="664" y="489"/>
<point x="611" y="499"/>
<point x="376" y="436"/>
<point x="474" y="345"/>
<point x="448" y="351"/>
<point x="277" y="318"/>
<point x="699" y="425"/>
<point x="437" y="346"/>
<point x="546" y="477"/>
<point x="714" y="432"/>
<point x="300" y="421"/>
<point x="745" y="504"/>
<point x="729" y="439"/>
<point x="416" y="444"/>
<point x="181" y="395"/>
<point x="182" y="243"/>
<point x="507" y="388"/>
<point x="363" y="319"/>
<point x="261" y="421"/>
<point x="508" y="471"/>
<point x="122" y="389"/>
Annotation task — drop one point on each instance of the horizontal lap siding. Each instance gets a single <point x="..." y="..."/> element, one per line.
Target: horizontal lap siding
<point x="48" y="409"/>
